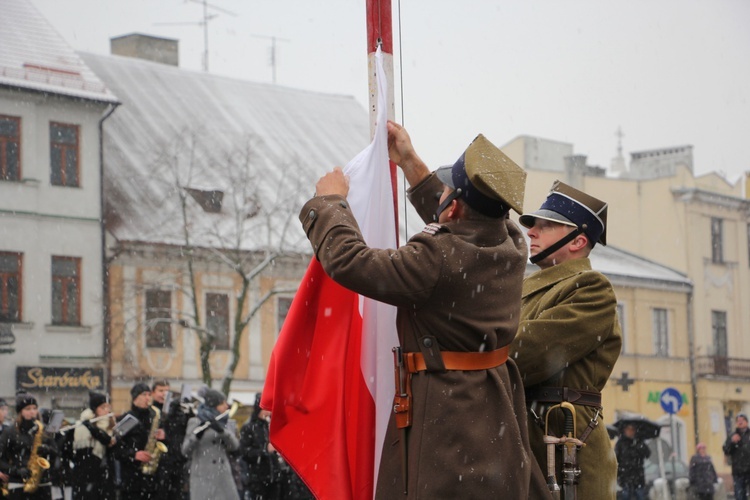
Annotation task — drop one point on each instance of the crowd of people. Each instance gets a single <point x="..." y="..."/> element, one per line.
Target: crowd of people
<point x="186" y="450"/>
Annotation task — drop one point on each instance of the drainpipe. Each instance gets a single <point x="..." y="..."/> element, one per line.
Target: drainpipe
<point x="691" y="359"/>
<point x="106" y="329"/>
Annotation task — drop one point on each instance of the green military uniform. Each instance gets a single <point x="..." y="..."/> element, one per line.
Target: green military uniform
<point x="569" y="336"/>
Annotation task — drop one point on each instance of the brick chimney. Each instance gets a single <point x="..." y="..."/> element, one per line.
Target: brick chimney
<point x="150" y="48"/>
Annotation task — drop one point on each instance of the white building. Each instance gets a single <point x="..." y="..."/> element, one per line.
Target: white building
<point x="51" y="108"/>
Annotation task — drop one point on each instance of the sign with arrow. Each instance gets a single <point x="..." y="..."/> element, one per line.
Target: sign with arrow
<point x="670" y="400"/>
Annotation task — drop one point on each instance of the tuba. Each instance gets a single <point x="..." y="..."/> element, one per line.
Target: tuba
<point x="36" y="465"/>
<point x="154" y="447"/>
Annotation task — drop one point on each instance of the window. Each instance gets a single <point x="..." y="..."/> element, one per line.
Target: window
<point x="10" y="148"/>
<point x="158" y="319"/>
<point x="217" y="318"/>
<point x="621" y="319"/>
<point x="66" y="291"/>
<point x="661" y="332"/>
<point x="717" y="240"/>
<point x="719" y="332"/>
<point x="10" y="287"/>
<point x="282" y="309"/>
<point x="63" y="154"/>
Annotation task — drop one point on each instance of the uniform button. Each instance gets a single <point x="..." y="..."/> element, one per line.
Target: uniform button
<point x="427" y="342"/>
<point x="311" y="215"/>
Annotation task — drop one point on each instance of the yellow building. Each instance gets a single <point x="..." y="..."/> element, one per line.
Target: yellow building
<point x="698" y="226"/>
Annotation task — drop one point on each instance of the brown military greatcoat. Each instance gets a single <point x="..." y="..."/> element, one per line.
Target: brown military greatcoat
<point x="569" y="336"/>
<point x="457" y="288"/>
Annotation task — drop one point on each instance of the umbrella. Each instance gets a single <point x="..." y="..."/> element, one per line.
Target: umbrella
<point x="644" y="428"/>
<point x="612" y="431"/>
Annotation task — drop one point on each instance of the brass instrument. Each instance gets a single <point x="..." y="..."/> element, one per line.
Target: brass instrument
<point x="36" y="465"/>
<point x="154" y="447"/>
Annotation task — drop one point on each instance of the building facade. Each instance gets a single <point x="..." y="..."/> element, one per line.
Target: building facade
<point x="699" y="226"/>
<point x="51" y="106"/>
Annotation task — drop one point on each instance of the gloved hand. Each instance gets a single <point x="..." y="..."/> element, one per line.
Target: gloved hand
<point x="217" y="427"/>
<point x="97" y="433"/>
<point x="21" y="472"/>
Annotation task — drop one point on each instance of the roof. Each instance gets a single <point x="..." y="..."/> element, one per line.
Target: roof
<point x="33" y="56"/>
<point x="252" y="150"/>
<point x="627" y="269"/>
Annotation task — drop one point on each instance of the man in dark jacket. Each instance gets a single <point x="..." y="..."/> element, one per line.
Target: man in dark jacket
<point x="131" y="450"/>
<point x="457" y="287"/>
<point x="737" y="447"/>
<point x="260" y="461"/>
<point x="631" y="452"/>
<point x="172" y="473"/>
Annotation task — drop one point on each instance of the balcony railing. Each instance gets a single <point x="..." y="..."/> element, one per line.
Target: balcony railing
<point x="722" y="366"/>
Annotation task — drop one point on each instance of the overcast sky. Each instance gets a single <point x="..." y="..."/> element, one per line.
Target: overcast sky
<point x="669" y="72"/>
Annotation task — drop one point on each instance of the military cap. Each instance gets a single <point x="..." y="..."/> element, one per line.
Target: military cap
<point x="569" y="206"/>
<point x="490" y="182"/>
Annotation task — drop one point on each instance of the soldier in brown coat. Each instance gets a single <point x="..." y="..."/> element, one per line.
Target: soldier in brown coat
<point x="569" y="337"/>
<point x="457" y="287"/>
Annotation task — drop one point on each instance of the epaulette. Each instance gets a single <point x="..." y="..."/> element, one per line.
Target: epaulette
<point x="433" y="228"/>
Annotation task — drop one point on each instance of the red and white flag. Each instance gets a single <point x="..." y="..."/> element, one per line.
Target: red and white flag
<point x="330" y="380"/>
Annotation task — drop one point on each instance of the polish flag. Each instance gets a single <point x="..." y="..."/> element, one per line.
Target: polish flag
<point x="330" y="380"/>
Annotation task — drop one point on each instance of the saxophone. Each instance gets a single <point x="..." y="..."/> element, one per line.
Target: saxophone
<point x="154" y="447"/>
<point x="36" y="465"/>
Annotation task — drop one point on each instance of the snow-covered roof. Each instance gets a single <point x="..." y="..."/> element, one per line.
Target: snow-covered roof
<point x="627" y="269"/>
<point x="255" y="150"/>
<point x="35" y="57"/>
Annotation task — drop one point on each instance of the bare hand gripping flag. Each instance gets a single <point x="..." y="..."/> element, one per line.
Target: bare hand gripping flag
<point x="330" y="380"/>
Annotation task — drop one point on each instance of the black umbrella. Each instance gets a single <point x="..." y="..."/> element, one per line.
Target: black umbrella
<point x="612" y="431"/>
<point x="644" y="428"/>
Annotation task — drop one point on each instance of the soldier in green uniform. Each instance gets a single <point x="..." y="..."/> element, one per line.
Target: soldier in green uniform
<point x="569" y="336"/>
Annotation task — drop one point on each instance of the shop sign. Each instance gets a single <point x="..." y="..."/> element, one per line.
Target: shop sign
<point x="44" y="378"/>
<point x="656" y="397"/>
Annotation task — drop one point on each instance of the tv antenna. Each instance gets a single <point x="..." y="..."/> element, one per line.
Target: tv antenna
<point x="204" y="22"/>
<point x="272" y="58"/>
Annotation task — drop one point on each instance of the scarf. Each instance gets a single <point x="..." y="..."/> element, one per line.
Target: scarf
<point x="208" y="413"/>
<point x="82" y="437"/>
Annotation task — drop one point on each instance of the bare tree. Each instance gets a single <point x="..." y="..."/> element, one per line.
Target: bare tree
<point x="234" y="212"/>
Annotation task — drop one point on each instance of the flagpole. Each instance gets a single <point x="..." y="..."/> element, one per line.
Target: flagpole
<point x="380" y="31"/>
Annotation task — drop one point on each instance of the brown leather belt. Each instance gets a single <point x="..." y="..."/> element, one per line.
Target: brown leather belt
<point x="413" y="362"/>
<point x="556" y="395"/>
<point x="456" y="360"/>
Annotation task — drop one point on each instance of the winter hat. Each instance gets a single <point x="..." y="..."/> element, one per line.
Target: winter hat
<point x="24" y="399"/>
<point x="96" y="399"/>
<point x="213" y="398"/>
<point x="138" y="389"/>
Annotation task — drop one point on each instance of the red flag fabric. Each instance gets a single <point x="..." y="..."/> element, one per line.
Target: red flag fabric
<point x="329" y="385"/>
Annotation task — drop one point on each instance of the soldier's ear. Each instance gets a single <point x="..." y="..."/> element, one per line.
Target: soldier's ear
<point x="580" y="242"/>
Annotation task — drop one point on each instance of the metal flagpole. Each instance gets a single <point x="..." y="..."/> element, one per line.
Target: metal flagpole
<point x="380" y="32"/>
